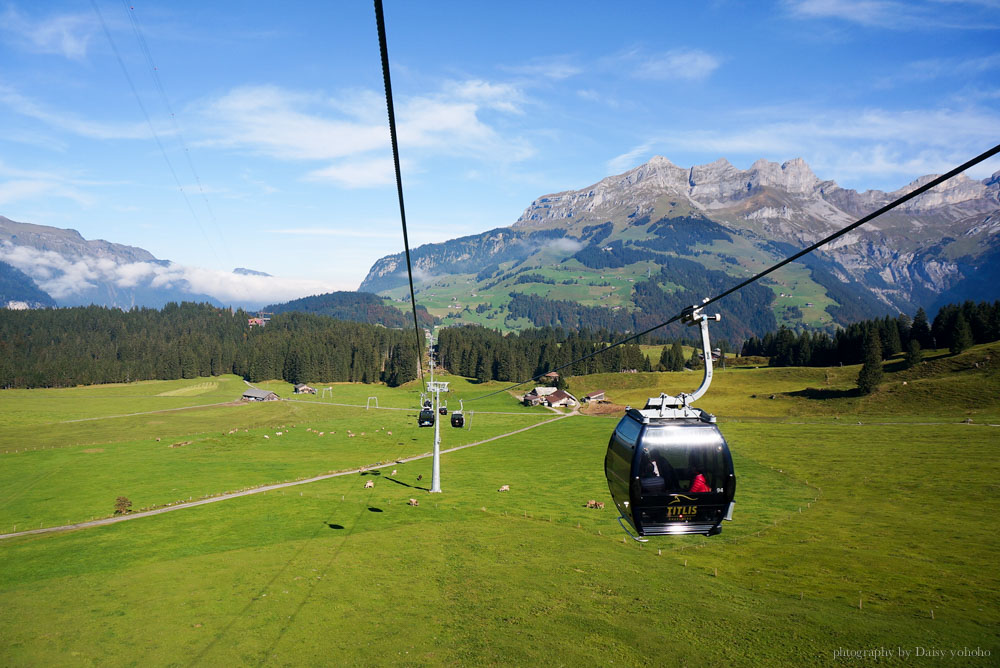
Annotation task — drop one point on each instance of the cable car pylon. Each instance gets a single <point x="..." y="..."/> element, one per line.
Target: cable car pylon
<point x="436" y="388"/>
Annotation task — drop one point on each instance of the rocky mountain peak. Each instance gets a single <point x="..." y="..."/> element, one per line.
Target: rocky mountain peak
<point x="794" y="176"/>
<point x="957" y="190"/>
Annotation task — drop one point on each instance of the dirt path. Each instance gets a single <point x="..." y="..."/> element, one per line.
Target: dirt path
<point x="266" y="488"/>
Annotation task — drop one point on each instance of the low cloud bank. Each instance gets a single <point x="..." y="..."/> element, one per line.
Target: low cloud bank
<point x="63" y="277"/>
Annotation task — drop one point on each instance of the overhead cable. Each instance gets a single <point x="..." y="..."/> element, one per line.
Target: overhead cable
<point x="152" y="129"/>
<point x="383" y="48"/>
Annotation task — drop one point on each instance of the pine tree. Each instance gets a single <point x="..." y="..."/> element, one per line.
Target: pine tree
<point x="914" y="355"/>
<point x="676" y="357"/>
<point x="664" y="363"/>
<point x="961" y="338"/>
<point x="871" y="371"/>
<point x="921" y="329"/>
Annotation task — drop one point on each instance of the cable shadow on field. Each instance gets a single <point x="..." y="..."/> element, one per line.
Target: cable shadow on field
<point x="334" y="555"/>
<point x="406" y="484"/>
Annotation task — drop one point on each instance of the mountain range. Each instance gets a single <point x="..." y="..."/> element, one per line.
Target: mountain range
<point x="74" y="271"/>
<point x="622" y="254"/>
<point x="612" y="244"/>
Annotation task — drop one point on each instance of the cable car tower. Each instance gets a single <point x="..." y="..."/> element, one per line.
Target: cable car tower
<point x="436" y="388"/>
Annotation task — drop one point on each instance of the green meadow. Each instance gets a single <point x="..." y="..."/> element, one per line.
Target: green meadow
<point x="861" y="523"/>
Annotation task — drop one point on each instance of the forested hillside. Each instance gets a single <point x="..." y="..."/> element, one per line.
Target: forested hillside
<point x="94" y="344"/>
<point x="956" y="327"/>
<point x="746" y="312"/>
<point x="356" y="306"/>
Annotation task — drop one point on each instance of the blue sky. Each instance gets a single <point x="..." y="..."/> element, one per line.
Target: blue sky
<point x="255" y="134"/>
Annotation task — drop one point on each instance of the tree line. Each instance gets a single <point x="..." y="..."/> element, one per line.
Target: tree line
<point x="94" y="344"/>
<point x="956" y="327"/>
<point x="485" y="354"/>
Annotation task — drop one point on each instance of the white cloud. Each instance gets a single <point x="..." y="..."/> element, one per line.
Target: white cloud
<point x="68" y="35"/>
<point x="63" y="277"/>
<point x="565" y="244"/>
<point x="229" y="287"/>
<point x="865" y="12"/>
<point x="688" y="64"/>
<point x="284" y="124"/>
<point x="893" y="14"/>
<point x="351" y="129"/>
<point x="503" y="97"/>
<point x="937" y="68"/>
<point x="594" y="96"/>
<point x="627" y="161"/>
<point x="21" y="189"/>
<point x="555" y="68"/>
<point x="26" y="106"/>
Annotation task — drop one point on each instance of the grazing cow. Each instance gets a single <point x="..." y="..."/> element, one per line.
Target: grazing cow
<point x="420" y="477"/>
<point x="265" y="436"/>
<point x="369" y="484"/>
<point x="278" y="433"/>
<point x="413" y="502"/>
<point x="389" y="432"/>
<point x="504" y="488"/>
<point x="595" y="504"/>
<point x="393" y="472"/>
<point x="321" y="433"/>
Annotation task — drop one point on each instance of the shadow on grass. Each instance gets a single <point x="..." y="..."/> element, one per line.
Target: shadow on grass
<point x="821" y="394"/>
<point x="335" y="526"/>
<point x="400" y="482"/>
<point x="373" y="509"/>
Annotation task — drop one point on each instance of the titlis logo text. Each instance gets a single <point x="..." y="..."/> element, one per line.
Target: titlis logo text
<point x="681" y="511"/>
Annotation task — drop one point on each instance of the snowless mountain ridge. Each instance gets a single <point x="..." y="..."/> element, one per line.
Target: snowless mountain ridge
<point x="719" y="185"/>
<point x="932" y="247"/>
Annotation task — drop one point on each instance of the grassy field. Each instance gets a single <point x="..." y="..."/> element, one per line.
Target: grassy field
<point x="847" y="536"/>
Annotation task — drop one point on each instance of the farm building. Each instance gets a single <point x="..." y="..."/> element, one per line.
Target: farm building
<point x="596" y="395"/>
<point x="302" y="388"/>
<point x="560" y="398"/>
<point x="551" y="375"/>
<point x="537" y="395"/>
<point x="259" y="395"/>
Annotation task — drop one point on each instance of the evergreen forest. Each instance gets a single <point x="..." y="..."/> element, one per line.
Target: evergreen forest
<point x="956" y="327"/>
<point x="95" y="344"/>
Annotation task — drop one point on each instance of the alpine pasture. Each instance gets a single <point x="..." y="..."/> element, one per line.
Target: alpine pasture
<point x="861" y="523"/>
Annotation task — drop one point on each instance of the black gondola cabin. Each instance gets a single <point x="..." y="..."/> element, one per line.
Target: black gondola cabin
<point x="457" y="419"/>
<point x="670" y="475"/>
<point x="426" y="417"/>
